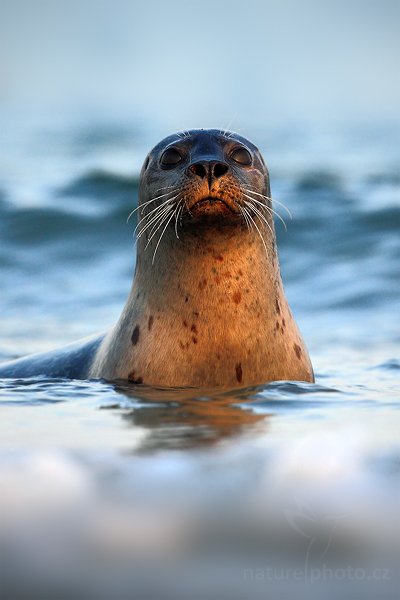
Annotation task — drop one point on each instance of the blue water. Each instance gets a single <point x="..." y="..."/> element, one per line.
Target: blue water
<point x="66" y="260"/>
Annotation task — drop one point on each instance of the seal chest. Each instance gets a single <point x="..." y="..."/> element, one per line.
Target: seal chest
<point x="207" y="306"/>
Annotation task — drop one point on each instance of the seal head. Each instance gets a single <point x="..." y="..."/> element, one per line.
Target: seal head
<point x="201" y="176"/>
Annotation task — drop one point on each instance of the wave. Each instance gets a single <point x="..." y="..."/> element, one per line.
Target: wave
<point x="102" y="185"/>
<point x="319" y="180"/>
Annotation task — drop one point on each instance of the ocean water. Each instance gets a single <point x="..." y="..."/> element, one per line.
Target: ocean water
<point x="140" y="472"/>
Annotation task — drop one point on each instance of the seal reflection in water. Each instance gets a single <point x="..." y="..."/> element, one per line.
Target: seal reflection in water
<point x="172" y="418"/>
<point x="207" y="305"/>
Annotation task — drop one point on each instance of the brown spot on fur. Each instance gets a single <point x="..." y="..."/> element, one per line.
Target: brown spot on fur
<point x="227" y="274"/>
<point x="187" y="299"/>
<point x="218" y="356"/>
<point x="237" y="296"/>
<point x="133" y="379"/>
<point x="277" y="325"/>
<point x="193" y="328"/>
<point x="283" y="323"/>
<point x="297" y="350"/>
<point x="218" y="257"/>
<point x="202" y="284"/>
<point x="135" y="335"/>
<point x="150" y="323"/>
<point x="194" y="339"/>
<point x="185" y="323"/>
<point x="195" y="313"/>
<point x="278" y="308"/>
<point x="239" y="372"/>
<point x="240" y="273"/>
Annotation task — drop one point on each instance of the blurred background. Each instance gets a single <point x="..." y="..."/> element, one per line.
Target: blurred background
<point x="86" y="89"/>
<point x="255" y="63"/>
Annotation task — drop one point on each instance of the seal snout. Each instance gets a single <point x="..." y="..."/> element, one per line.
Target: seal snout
<point x="209" y="169"/>
<point x="211" y="176"/>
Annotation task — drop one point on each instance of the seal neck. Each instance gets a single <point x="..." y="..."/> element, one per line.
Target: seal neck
<point x="211" y="310"/>
<point x="206" y="267"/>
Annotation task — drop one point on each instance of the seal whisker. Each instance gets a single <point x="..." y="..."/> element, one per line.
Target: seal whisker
<point x="267" y="208"/>
<point x="177" y="212"/>
<point x="176" y="223"/>
<point x="153" y="221"/>
<point x="160" y="238"/>
<point x="224" y="132"/>
<point x="272" y="200"/>
<point x="260" y="215"/>
<point x="162" y="209"/>
<point x="165" y="187"/>
<point x="245" y="219"/>
<point x="230" y="135"/>
<point x="142" y="205"/>
<point x="132" y="213"/>
<point x="159" y="219"/>
<point x="158" y="225"/>
<point x="154" y="210"/>
<point x="154" y="218"/>
<point x="246" y="215"/>
<point x="184" y="205"/>
<point x="258" y="230"/>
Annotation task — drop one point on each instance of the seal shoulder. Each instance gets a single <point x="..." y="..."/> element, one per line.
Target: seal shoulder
<point x="72" y="361"/>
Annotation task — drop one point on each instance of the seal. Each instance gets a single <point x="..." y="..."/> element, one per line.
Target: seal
<point x="207" y="305"/>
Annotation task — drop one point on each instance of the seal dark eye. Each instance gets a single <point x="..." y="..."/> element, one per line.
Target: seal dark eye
<point x="171" y="157"/>
<point x="241" y="156"/>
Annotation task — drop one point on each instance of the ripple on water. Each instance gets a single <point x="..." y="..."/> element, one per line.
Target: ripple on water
<point x="392" y="364"/>
<point x="104" y="186"/>
<point x="36" y="391"/>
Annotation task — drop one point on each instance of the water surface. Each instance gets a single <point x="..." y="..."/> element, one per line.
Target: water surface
<point x="109" y="455"/>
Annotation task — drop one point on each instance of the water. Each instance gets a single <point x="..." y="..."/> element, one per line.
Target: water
<point x="112" y="464"/>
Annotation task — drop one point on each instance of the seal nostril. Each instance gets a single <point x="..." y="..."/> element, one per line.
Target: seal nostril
<point x="199" y="169"/>
<point x="209" y="169"/>
<point x="220" y="169"/>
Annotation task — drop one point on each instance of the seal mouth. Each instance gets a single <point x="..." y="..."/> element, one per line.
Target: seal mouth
<point x="213" y="204"/>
